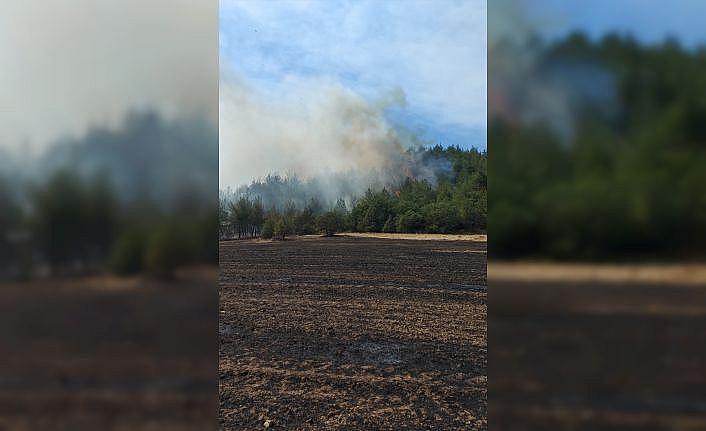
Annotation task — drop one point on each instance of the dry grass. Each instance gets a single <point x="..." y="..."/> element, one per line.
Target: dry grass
<point x="420" y="236"/>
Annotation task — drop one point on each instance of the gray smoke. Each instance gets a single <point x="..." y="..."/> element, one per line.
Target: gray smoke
<point x="313" y="128"/>
<point x="316" y="138"/>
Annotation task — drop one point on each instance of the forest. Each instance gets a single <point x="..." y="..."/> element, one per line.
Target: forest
<point x="622" y="174"/>
<point x="453" y="200"/>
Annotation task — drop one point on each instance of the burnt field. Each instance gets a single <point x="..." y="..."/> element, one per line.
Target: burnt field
<point x="353" y="333"/>
<point x="602" y="354"/>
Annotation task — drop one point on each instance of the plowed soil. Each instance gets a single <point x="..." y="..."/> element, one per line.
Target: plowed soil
<point x="353" y="333"/>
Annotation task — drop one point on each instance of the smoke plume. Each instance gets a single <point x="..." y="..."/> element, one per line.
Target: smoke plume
<point x="310" y="129"/>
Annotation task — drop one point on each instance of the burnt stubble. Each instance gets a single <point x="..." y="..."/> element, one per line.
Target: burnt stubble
<point x="353" y="333"/>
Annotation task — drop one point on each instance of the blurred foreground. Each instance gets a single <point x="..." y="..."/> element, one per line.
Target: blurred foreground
<point x="109" y="353"/>
<point x="597" y="149"/>
<point x="587" y="347"/>
<point x="107" y="281"/>
<point x="108" y="208"/>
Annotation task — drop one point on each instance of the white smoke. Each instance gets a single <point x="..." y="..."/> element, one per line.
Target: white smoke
<point x="311" y="128"/>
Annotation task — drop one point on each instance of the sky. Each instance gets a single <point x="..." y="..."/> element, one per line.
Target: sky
<point x="650" y="21"/>
<point x="428" y="57"/>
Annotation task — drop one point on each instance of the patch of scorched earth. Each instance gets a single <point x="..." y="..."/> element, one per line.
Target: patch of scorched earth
<point x="353" y="333"/>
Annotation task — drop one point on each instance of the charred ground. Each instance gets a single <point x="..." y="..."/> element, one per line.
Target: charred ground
<point x="342" y="332"/>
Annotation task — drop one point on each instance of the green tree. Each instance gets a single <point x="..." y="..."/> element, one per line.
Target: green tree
<point x="280" y="227"/>
<point x="331" y="222"/>
<point x="268" y="228"/>
<point x="257" y="216"/>
<point x="372" y="211"/>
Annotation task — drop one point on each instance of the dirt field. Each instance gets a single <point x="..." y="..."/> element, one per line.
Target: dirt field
<point x="353" y="333"/>
<point x="597" y="347"/>
<point x="104" y="353"/>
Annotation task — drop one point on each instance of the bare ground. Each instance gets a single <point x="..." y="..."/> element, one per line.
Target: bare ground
<point x="353" y="333"/>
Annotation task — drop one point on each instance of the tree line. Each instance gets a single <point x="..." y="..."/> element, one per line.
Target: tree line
<point x="455" y="202"/>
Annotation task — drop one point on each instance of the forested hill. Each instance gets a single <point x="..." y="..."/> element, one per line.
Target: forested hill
<point x="437" y="190"/>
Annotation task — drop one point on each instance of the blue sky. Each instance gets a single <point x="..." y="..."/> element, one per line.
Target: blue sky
<point x="648" y="20"/>
<point x="433" y="51"/>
